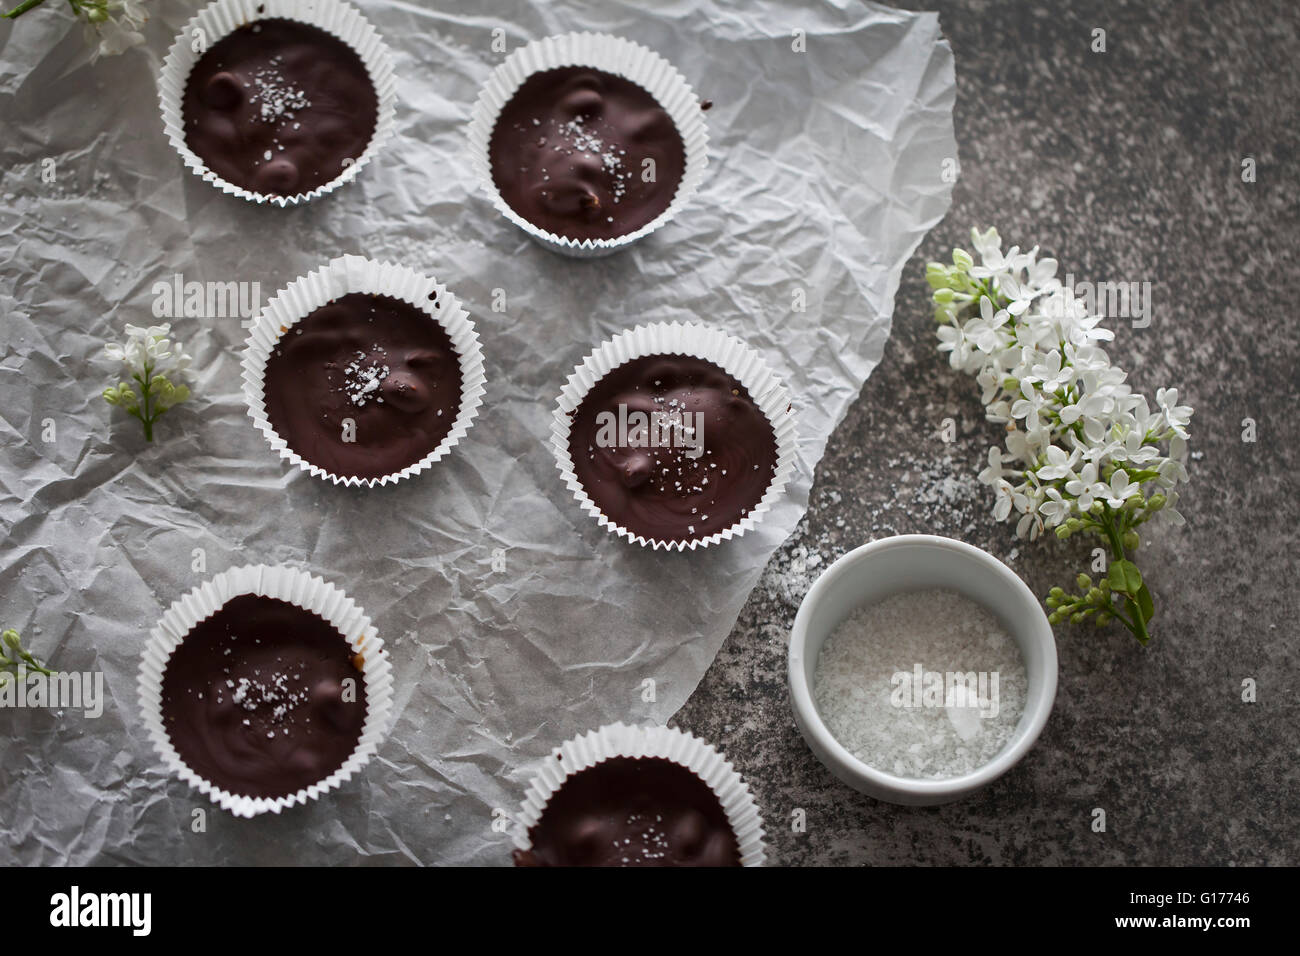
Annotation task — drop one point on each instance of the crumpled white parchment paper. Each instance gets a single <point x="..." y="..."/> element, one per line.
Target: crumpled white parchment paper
<point x="826" y="169"/>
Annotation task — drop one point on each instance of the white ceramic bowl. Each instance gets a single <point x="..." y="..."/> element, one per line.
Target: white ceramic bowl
<point x="913" y="562"/>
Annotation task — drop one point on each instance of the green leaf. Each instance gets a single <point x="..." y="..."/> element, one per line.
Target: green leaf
<point x="1139" y="476"/>
<point x="1124" y="576"/>
<point x="1145" y="604"/>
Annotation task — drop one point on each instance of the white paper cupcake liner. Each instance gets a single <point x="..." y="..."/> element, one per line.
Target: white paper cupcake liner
<point x="338" y="278"/>
<point x="675" y="338"/>
<point x="614" y="55"/>
<point x="622" y="740"/>
<point x="222" y="17"/>
<point x="296" y="587"/>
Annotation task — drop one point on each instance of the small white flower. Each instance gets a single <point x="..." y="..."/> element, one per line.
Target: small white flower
<point x="1171" y="472"/>
<point x="1136" y="451"/>
<point x="1119" y="490"/>
<point x="1176" y="415"/>
<point x="1018" y="445"/>
<point x="952" y="339"/>
<point x="1028" y="407"/>
<point x="1169" y="512"/>
<point x="1090" y="362"/>
<point x="1085" y="487"/>
<point x="1029" y="526"/>
<point x="1042" y="272"/>
<point x="993" y="473"/>
<point x="1086" y="406"/>
<point x="1060" y="464"/>
<point x="999" y="412"/>
<point x="987" y="244"/>
<point x="989" y="384"/>
<point x="1094" y="433"/>
<point x="986" y="331"/>
<point x="1005" y="499"/>
<point x="1055" y="509"/>
<point x="1051" y="373"/>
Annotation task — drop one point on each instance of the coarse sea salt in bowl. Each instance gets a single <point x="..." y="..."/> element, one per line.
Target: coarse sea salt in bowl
<point x="886" y="575"/>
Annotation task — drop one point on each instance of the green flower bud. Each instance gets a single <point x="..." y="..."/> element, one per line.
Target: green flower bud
<point x="1103" y="618"/>
<point x="11" y="639"/>
<point x="1131" y="540"/>
<point x="962" y="259"/>
<point x="942" y="296"/>
<point x="1096" y="509"/>
<point x="1063" y="531"/>
<point x="1095" y="596"/>
<point x="126" y="397"/>
<point x="1084" y="582"/>
<point x="168" y="395"/>
<point x="1078" y="617"/>
<point x="1057" y="592"/>
<point x="1156" y="502"/>
<point x="1011" y="384"/>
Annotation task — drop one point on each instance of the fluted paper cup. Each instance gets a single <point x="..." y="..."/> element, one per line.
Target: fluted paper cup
<point x="295" y="587"/>
<point x="675" y="338"/>
<point x="222" y="17"/>
<point x="340" y="277"/>
<point x="611" y="54"/>
<point x="668" y="743"/>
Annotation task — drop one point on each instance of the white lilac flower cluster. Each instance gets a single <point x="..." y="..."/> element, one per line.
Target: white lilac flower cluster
<point x="154" y="362"/>
<point x="1083" y="451"/>
<point x="111" y="26"/>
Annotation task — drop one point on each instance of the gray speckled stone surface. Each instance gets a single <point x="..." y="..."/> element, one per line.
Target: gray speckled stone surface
<point x="1125" y="165"/>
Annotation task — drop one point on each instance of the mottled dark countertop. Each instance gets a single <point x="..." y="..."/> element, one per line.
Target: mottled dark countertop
<point x="1125" y="165"/>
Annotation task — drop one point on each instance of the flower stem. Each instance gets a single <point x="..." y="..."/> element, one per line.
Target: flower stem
<point x="145" y="416"/>
<point x="1134" y="621"/>
<point x="22" y="8"/>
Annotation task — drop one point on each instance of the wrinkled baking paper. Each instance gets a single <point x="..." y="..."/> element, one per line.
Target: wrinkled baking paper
<point x="513" y="620"/>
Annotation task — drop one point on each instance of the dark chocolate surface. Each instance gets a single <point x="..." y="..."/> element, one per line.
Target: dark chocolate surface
<point x="569" y="149"/>
<point x="632" y="811"/>
<point x="382" y="363"/>
<point x="253" y="698"/>
<point x="279" y="107"/>
<point x="662" y="492"/>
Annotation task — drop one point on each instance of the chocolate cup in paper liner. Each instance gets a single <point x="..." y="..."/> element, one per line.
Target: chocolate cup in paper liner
<point x="611" y="54"/>
<point x="339" y="277"/>
<point x="699" y="341"/>
<point x="668" y="743"/>
<point x="295" y="587"/>
<point x="222" y="17"/>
